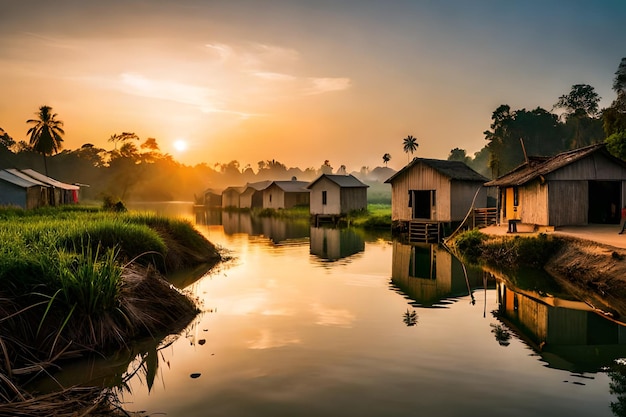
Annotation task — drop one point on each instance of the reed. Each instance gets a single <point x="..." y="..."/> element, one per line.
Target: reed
<point x="78" y="280"/>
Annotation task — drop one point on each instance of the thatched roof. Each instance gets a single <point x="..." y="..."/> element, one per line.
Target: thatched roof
<point x="536" y="167"/>
<point x="455" y="170"/>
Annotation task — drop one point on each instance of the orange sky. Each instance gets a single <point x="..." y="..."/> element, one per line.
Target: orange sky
<point x="297" y="81"/>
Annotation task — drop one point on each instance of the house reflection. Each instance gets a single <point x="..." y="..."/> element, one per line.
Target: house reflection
<point x="429" y="275"/>
<point x="278" y="231"/>
<point x="208" y="216"/>
<point x="568" y="334"/>
<point x="332" y="244"/>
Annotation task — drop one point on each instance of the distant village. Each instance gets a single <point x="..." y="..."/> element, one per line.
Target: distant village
<point x="424" y="193"/>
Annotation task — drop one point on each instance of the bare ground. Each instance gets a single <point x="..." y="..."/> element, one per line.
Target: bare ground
<point x="594" y="272"/>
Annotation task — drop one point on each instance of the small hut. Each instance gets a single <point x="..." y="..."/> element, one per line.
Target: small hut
<point x="577" y="187"/>
<point x="62" y="193"/>
<point x="286" y="194"/>
<point x="427" y="193"/>
<point x="252" y="195"/>
<point x="230" y="197"/>
<point x="336" y="195"/>
<point x="22" y="192"/>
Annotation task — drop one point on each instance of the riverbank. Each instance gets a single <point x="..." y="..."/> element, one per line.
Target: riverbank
<point x="78" y="281"/>
<point x="590" y="263"/>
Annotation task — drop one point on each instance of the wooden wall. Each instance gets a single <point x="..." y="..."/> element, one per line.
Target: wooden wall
<point x="353" y="198"/>
<point x="333" y="197"/>
<point x="420" y="177"/>
<point x="452" y="198"/>
<point x="568" y="203"/>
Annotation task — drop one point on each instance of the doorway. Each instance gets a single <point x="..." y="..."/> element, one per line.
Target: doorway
<point x="605" y="202"/>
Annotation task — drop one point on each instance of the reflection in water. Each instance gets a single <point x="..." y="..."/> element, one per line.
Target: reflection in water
<point x="278" y="231"/>
<point x="431" y="276"/>
<point x="332" y="244"/>
<point x="568" y="334"/>
<point x="291" y="338"/>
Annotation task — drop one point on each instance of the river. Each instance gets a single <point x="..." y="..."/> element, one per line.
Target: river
<point x="340" y="322"/>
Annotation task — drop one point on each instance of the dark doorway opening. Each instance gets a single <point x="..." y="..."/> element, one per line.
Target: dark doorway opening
<point x="604" y="202"/>
<point x="423" y="200"/>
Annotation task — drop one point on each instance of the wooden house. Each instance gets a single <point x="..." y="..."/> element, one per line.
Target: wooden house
<point x="22" y="192"/>
<point x="211" y="198"/>
<point x="286" y="194"/>
<point x="585" y="185"/>
<point x="337" y="195"/>
<point x="252" y="195"/>
<point x="433" y="191"/>
<point x="230" y="197"/>
<point x="62" y="193"/>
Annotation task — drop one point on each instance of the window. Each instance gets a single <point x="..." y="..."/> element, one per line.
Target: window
<point x="515" y="196"/>
<point x="410" y="198"/>
<point x="324" y="198"/>
<point x="270" y="198"/>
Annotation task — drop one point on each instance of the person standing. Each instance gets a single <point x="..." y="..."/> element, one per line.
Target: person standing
<point x="623" y="221"/>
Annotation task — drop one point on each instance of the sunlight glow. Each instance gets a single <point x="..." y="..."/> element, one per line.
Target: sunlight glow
<point x="180" y="145"/>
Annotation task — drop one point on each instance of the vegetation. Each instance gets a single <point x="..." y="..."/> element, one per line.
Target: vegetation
<point x="409" y="144"/>
<point x="76" y="280"/>
<point x="377" y="216"/>
<point x="515" y="134"/>
<point x="478" y="248"/>
<point x="45" y="135"/>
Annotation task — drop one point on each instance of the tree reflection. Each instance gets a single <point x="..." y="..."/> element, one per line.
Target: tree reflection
<point x="410" y="318"/>
<point x="501" y="333"/>
<point x="617" y="387"/>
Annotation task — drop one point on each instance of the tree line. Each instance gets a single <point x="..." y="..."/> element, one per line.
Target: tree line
<point x="515" y="134"/>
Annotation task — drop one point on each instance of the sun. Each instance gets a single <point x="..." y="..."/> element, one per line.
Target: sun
<point x="180" y="145"/>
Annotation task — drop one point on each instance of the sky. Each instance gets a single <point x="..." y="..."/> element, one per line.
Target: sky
<point x="298" y="81"/>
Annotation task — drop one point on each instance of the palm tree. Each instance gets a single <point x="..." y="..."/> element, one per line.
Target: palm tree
<point x="45" y="135"/>
<point x="386" y="158"/>
<point x="410" y="145"/>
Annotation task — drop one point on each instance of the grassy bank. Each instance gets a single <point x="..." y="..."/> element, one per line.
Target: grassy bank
<point x="76" y="280"/>
<point x="505" y="251"/>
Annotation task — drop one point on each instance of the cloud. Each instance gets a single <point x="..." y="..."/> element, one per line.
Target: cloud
<point x="326" y="85"/>
<point x="332" y="317"/>
<point x="267" y="340"/>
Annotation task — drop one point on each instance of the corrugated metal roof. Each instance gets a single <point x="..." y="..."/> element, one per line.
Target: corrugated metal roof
<point x="292" y="186"/>
<point x="537" y="167"/>
<point x="51" y="181"/>
<point x="15" y="180"/>
<point x="455" y="170"/>
<point x="345" y="181"/>
<point x="23" y="176"/>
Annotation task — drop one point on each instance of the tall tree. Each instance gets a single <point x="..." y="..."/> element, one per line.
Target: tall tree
<point x="45" y="135"/>
<point x="409" y="144"/>
<point x="386" y="158"/>
<point x="582" y="101"/>
<point x="458" y="154"/>
<point x="619" y="86"/>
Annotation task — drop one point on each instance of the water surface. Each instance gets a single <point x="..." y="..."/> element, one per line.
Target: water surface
<point x="329" y="322"/>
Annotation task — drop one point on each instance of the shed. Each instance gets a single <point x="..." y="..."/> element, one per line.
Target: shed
<point x="21" y="192"/>
<point x="63" y="193"/>
<point x="286" y="194"/>
<point x="230" y="197"/>
<point x="252" y="195"/>
<point x="577" y="187"/>
<point x="336" y="195"/>
<point x="435" y="190"/>
<point x="211" y="198"/>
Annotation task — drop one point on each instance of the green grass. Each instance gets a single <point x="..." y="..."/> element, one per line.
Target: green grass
<point x="377" y="216"/>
